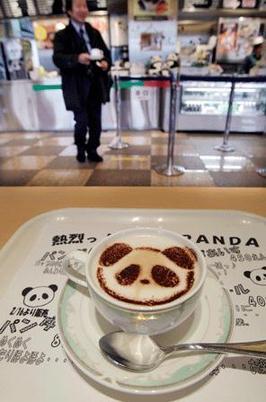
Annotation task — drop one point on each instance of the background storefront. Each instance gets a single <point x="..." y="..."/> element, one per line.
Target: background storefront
<point x="205" y="38"/>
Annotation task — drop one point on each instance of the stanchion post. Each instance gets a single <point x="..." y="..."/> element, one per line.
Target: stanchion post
<point x="117" y="142"/>
<point x="225" y="147"/>
<point x="170" y="169"/>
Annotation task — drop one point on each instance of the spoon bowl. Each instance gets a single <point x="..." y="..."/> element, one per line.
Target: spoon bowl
<point x="140" y="353"/>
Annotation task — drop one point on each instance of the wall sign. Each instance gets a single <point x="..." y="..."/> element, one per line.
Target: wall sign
<point x="150" y="38"/>
<point x="235" y="36"/>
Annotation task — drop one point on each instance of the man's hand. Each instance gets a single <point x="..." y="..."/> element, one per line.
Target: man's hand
<point x="84" y="58"/>
<point x="103" y="65"/>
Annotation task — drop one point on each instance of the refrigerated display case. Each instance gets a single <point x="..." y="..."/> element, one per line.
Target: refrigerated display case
<point x="249" y="107"/>
<point x="202" y="105"/>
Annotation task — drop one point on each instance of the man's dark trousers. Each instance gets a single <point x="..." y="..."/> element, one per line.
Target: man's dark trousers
<point x="89" y="117"/>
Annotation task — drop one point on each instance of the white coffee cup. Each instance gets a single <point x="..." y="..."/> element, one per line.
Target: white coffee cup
<point x="96" y="54"/>
<point x="129" y="315"/>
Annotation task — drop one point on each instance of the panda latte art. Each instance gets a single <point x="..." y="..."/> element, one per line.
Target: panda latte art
<point x="142" y="272"/>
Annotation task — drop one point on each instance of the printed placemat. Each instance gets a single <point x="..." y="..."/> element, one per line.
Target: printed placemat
<point x="32" y="361"/>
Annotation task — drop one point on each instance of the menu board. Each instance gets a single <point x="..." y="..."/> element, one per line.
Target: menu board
<point x="25" y="8"/>
<point x="153" y="10"/>
<point x="233" y="4"/>
<point x="19" y="8"/>
<point x="190" y="5"/>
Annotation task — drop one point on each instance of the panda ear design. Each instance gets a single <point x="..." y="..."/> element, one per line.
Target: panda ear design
<point x="26" y="291"/>
<point x="53" y="287"/>
<point x="264" y="268"/>
<point x="114" y="253"/>
<point x="183" y="257"/>
<point x="247" y="274"/>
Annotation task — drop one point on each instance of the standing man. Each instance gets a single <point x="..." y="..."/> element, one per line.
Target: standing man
<point x="85" y="83"/>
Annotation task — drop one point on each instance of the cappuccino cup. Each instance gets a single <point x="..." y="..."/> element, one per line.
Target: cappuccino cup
<point x="143" y="280"/>
<point x="96" y="54"/>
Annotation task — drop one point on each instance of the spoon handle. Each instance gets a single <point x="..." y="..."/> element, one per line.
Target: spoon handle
<point x="256" y="349"/>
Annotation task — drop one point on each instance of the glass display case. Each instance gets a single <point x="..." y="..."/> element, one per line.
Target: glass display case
<point x="204" y="106"/>
<point x="209" y="98"/>
<point x="249" y="108"/>
<point x="249" y="99"/>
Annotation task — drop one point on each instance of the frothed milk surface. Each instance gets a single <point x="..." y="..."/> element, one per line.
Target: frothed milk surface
<point x="145" y="269"/>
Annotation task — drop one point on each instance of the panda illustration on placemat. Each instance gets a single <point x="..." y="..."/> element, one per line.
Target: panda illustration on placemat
<point x="257" y="276"/>
<point x="39" y="296"/>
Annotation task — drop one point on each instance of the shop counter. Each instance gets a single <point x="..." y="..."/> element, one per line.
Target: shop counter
<point x="39" y="106"/>
<point x="202" y="104"/>
<point x="50" y="328"/>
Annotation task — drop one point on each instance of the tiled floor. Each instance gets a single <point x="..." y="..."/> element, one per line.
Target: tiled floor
<point x="48" y="159"/>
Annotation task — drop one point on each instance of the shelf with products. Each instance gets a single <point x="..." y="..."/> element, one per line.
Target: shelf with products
<point x="205" y="98"/>
<point x="249" y="109"/>
<point x="250" y="99"/>
<point x="204" y="108"/>
<point x="220" y="108"/>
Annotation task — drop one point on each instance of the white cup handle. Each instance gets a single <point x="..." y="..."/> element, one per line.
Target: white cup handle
<point x="74" y="267"/>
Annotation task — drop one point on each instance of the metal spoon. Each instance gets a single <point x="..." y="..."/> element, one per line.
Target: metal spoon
<point x="140" y="353"/>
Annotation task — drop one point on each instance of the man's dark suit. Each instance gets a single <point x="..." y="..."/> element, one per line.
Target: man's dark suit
<point x="85" y="88"/>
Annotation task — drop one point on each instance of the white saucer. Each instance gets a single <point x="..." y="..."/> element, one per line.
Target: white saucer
<point x="81" y="327"/>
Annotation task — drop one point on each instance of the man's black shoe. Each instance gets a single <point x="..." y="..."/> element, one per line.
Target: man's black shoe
<point x="94" y="157"/>
<point x="81" y="157"/>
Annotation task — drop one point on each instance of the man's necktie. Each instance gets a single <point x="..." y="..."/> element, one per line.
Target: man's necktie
<point x="84" y="42"/>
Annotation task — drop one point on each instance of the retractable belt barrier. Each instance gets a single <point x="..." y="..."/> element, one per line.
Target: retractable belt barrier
<point x="117" y="142"/>
<point x="173" y="82"/>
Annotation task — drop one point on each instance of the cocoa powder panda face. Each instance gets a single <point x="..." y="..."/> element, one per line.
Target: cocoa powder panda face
<point x="137" y="271"/>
